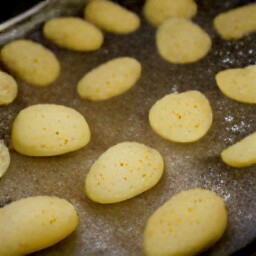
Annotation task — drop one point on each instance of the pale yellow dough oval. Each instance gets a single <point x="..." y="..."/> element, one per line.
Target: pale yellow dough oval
<point x="242" y="153"/>
<point x="189" y="223"/>
<point x="111" y="17"/>
<point x="34" y="223"/>
<point x="238" y="84"/>
<point x="73" y="33"/>
<point x="110" y="79"/>
<point x="122" y="172"/>
<point x="157" y="11"/>
<point x="31" y="62"/>
<point x="181" y="41"/>
<point x="4" y="158"/>
<point x="236" y="23"/>
<point x="8" y="88"/>
<point x="181" y="117"/>
<point x="49" y="130"/>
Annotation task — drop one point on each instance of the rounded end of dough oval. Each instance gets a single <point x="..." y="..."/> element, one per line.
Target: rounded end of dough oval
<point x="181" y="117"/>
<point x="242" y="153"/>
<point x="4" y="158"/>
<point x="123" y="172"/>
<point x="8" y="88"/>
<point x="180" y="41"/>
<point x="111" y="17"/>
<point x="236" y="23"/>
<point x="73" y="33"/>
<point x="110" y="79"/>
<point x="31" y="62"/>
<point x="188" y="224"/>
<point x="35" y="223"/>
<point x="49" y="130"/>
<point x="156" y="11"/>
<point x="238" y="84"/>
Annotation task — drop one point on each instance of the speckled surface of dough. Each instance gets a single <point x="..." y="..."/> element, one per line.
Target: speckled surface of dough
<point x="118" y="229"/>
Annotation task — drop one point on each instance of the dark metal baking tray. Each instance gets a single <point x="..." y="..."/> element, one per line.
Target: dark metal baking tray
<point x="117" y="229"/>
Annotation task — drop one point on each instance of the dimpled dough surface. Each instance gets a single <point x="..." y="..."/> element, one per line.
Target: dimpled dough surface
<point x="181" y="41"/>
<point x="34" y="223"/>
<point x="157" y="11"/>
<point x="242" y="153"/>
<point x="48" y="130"/>
<point x="236" y="23"/>
<point x="114" y="229"/>
<point x="122" y="172"/>
<point x="183" y="117"/>
<point x="73" y="33"/>
<point x="31" y="62"/>
<point x="238" y="84"/>
<point x="111" y="17"/>
<point x="187" y="224"/>
<point x="109" y="79"/>
<point x="8" y="88"/>
<point x="4" y="158"/>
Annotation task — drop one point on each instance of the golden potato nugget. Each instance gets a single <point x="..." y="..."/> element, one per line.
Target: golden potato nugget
<point x="31" y="62"/>
<point x="242" y="153"/>
<point x="181" y="41"/>
<point x="236" y="23"/>
<point x="183" y="117"/>
<point x="238" y="84"/>
<point x="73" y="33"/>
<point x="111" y="17"/>
<point x="157" y="11"/>
<point x="110" y="79"/>
<point x="35" y="223"/>
<point x="189" y="223"/>
<point x="49" y="130"/>
<point x="8" y="88"/>
<point x="122" y="172"/>
<point x="4" y="158"/>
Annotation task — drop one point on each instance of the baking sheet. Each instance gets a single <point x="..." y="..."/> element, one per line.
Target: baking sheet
<point x="117" y="229"/>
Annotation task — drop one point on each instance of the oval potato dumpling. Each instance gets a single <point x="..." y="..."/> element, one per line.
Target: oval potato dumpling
<point x="111" y="17"/>
<point x="181" y="41"/>
<point x="236" y="23"/>
<point x="34" y="223"/>
<point x="49" y="130"/>
<point x="109" y="79"/>
<point x="4" y="158"/>
<point x="238" y="84"/>
<point x="157" y="11"/>
<point x="189" y="223"/>
<point x="182" y="117"/>
<point x="122" y="172"/>
<point x="73" y="33"/>
<point x="8" y="88"/>
<point x="31" y="62"/>
<point x="242" y="153"/>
